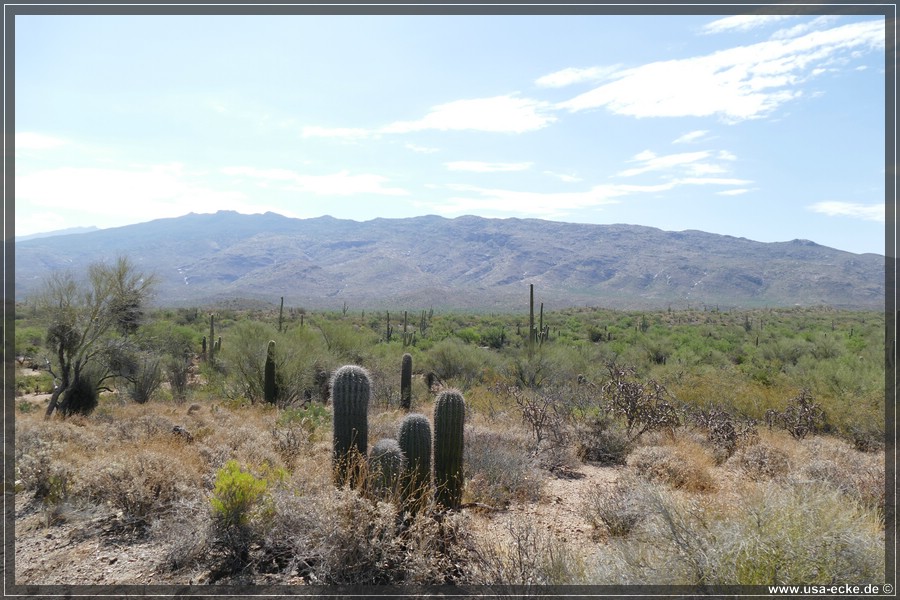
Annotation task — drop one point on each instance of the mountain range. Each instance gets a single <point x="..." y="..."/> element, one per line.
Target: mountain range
<point x="469" y="262"/>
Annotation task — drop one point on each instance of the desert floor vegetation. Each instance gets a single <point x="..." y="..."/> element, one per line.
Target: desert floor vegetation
<point x="682" y="447"/>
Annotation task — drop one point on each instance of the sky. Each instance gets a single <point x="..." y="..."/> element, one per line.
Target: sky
<point x="766" y="127"/>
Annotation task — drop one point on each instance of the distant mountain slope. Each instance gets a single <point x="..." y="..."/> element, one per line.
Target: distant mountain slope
<point x="467" y="262"/>
<point x="68" y="231"/>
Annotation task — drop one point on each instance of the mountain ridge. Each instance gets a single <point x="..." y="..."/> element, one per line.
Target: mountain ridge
<point x="467" y="262"/>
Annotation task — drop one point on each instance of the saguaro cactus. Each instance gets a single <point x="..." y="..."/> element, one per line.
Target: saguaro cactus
<point x="386" y="466"/>
<point x="415" y="442"/>
<point x="269" y="391"/>
<point x="212" y="337"/>
<point x="351" y="390"/>
<point x="449" y="418"/>
<point x="406" y="382"/>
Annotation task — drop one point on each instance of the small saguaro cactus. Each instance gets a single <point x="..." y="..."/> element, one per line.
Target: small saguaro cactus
<point x="406" y="382"/>
<point x="269" y="391"/>
<point x="449" y="419"/>
<point x="351" y="391"/>
<point x="386" y="466"/>
<point x="414" y="438"/>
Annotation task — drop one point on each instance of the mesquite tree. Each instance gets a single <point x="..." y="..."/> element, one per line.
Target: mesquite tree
<point x="86" y="321"/>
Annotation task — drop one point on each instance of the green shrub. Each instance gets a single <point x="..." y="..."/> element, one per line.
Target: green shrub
<point x="236" y="494"/>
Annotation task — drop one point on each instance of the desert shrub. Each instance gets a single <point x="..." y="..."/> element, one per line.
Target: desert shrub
<point x="146" y="380"/>
<point x="346" y="342"/>
<point x="603" y="441"/>
<point x="761" y="461"/>
<point x="49" y="479"/>
<point x="526" y="556"/>
<point x="724" y="433"/>
<point x="453" y="359"/>
<point x="177" y="373"/>
<point x="834" y="463"/>
<point x="236" y="499"/>
<point x="775" y="535"/>
<point x="617" y="511"/>
<point x="142" y="485"/>
<point x="645" y="406"/>
<point x="498" y="468"/>
<point x="675" y="466"/>
<point x="801" y="417"/>
<point x="337" y="536"/>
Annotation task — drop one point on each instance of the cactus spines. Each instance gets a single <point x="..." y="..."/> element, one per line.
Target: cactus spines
<point x="269" y="391"/>
<point x="350" y="394"/>
<point x="449" y="419"/>
<point x="406" y="381"/>
<point x="414" y="439"/>
<point x="386" y="466"/>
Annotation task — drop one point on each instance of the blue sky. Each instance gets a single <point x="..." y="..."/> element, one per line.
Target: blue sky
<point x="769" y="128"/>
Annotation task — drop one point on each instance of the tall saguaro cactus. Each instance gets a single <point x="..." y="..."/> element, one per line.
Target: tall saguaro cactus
<point x="269" y="391"/>
<point x="449" y="419"/>
<point x="212" y="337"/>
<point x="351" y="390"/>
<point x="406" y="382"/>
<point x="414" y="438"/>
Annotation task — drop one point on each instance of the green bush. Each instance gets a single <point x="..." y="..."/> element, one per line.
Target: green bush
<point x="235" y="495"/>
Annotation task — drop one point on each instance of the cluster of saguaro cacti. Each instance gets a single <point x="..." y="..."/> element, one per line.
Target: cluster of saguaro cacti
<point x="449" y="419"/>
<point x="406" y="382"/>
<point x="269" y="391"/>
<point x="350" y="393"/>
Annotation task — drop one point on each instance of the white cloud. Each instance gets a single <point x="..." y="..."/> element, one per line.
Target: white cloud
<point x="742" y="23"/>
<point x="421" y="149"/>
<point x="486" y="167"/>
<point x="691" y="136"/>
<point x="734" y="192"/>
<point x="726" y="155"/>
<point x="802" y="28"/>
<point x="350" y="133"/>
<point x="867" y="212"/>
<point x="712" y="181"/>
<point x="544" y="204"/>
<point x="740" y="83"/>
<point x="574" y="75"/>
<point x="652" y="162"/>
<point x="501" y="114"/>
<point x="334" y="184"/>
<point x="564" y="177"/>
<point x="29" y="140"/>
<point x="156" y="191"/>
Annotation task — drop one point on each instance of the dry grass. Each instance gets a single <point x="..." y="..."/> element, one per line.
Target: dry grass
<point x="780" y="508"/>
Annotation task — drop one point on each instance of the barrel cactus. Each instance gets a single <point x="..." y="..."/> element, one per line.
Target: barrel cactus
<point x="449" y="419"/>
<point x="269" y="390"/>
<point x="406" y="382"/>
<point x="350" y="394"/>
<point x="415" y="441"/>
<point x="386" y="466"/>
